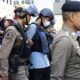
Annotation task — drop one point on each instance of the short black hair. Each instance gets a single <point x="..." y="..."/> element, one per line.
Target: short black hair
<point x="65" y="15"/>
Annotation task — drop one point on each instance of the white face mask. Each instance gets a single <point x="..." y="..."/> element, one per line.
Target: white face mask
<point x="46" y="23"/>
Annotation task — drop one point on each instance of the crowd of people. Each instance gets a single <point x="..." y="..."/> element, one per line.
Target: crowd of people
<point x="35" y="52"/>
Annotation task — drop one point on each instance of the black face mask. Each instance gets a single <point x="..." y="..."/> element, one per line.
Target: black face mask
<point x="21" y="17"/>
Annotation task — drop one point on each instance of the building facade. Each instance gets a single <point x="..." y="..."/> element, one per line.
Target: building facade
<point x="10" y="2"/>
<point x="17" y="2"/>
<point x="6" y="8"/>
<point x="55" y="4"/>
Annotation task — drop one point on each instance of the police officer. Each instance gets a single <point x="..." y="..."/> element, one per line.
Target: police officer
<point x="66" y="50"/>
<point x="39" y="67"/>
<point x="12" y="44"/>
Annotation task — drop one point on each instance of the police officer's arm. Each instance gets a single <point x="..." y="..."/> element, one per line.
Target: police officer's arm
<point x="7" y="43"/>
<point x="30" y="33"/>
<point x="61" y="53"/>
<point x="5" y="50"/>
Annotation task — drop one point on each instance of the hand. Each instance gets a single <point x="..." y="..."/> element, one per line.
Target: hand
<point x="30" y="42"/>
<point x="1" y="77"/>
<point x="1" y="32"/>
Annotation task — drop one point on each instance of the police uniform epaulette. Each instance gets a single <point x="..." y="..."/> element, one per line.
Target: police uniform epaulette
<point x="71" y="6"/>
<point x="10" y="27"/>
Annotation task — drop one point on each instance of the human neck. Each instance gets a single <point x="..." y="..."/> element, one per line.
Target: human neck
<point x="38" y="21"/>
<point x="70" y="25"/>
<point x="20" y="22"/>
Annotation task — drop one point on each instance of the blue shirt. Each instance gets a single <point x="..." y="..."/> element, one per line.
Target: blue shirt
<point x="37" y="59"/>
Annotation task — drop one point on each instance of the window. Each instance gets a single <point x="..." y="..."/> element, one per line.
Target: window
<point x="23" y="2"/>
<point x="7" y="1"/>
<point x="16" y="2"/>
<point x="10" y="1"/>
<point x="58" y="0"/>
<point x="32" y="1"/>
<point x="27" y="1"/>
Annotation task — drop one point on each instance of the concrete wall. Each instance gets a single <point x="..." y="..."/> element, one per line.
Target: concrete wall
<point x="57" y="7"/>
<point x="44" y="4"/>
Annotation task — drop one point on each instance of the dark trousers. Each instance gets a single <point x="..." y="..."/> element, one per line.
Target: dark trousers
<point x="40" y="74"/>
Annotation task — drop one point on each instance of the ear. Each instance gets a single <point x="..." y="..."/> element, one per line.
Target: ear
<point x="22" y="14"/>
<point x="71" y="17"/>
<point x="18" y="13"/>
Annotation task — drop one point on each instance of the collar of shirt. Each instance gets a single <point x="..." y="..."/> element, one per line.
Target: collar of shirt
<point x="69" y="31"/>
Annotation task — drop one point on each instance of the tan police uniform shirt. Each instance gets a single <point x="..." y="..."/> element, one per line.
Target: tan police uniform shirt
<point x="66" y="56"/>
<point x="7" y="44"/>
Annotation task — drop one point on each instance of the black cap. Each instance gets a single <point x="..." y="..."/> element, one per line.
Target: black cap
<point x="18" y="12"/>
<point x="71" y="6"/>
<point x="19" y="9"/>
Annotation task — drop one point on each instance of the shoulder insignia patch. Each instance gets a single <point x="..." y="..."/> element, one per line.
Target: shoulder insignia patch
<point x="8" y="35"/>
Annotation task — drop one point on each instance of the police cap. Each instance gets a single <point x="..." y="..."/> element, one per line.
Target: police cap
<point x="19" y="9"/>
<point x="20" y="12"/>
<point x="71" y="6"/>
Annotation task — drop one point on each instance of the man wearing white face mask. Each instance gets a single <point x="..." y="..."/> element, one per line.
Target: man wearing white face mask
<point x="39" y="69"/>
